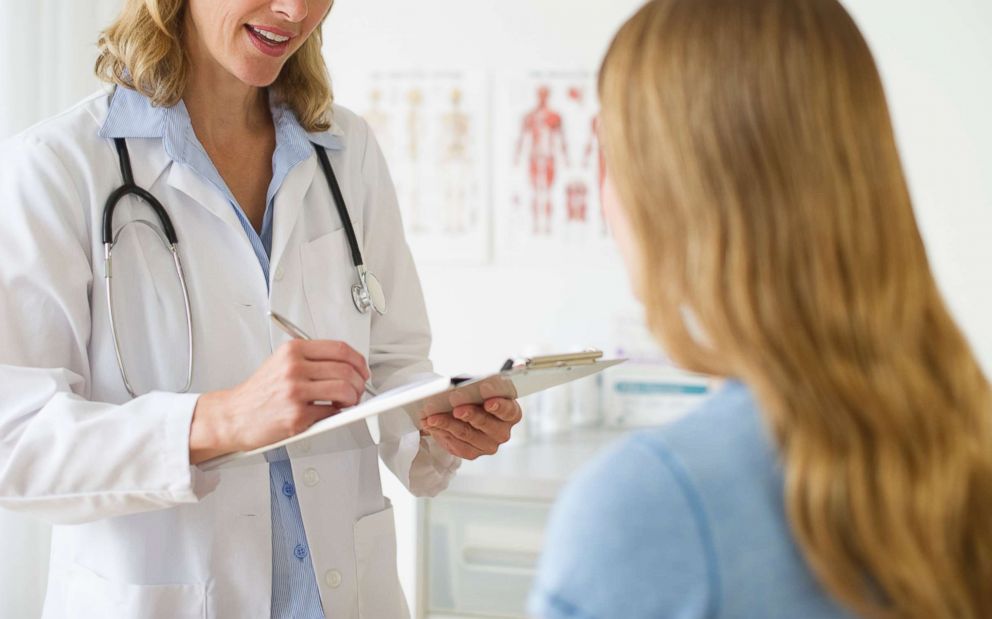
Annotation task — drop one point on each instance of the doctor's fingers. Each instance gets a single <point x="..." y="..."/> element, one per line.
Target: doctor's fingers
<point x="505" y="409"/>
<point x="490" y="425"/>
<point x="328" y="350"/>
<point x="336" y="390"/>
<point x="463" y="432"/>
<point x="454" y="445"/>
<point x="327" y="370"/>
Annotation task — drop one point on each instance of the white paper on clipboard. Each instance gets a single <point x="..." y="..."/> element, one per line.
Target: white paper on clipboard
<point x="438" y="394"/>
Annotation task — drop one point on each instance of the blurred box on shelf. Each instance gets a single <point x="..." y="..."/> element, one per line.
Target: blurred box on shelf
<point x="637" y="395"/>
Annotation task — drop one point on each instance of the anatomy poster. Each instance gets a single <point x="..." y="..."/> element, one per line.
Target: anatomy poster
<point x="547" y="169"/>
<point x="433" y="129"/>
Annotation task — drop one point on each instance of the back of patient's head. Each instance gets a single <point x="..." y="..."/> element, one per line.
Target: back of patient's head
<point x="751" y="147"/>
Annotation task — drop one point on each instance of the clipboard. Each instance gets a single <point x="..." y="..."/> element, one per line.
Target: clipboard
<point x="517" y="378"/>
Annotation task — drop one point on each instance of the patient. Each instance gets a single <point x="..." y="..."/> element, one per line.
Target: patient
<point x="845" y="469"/>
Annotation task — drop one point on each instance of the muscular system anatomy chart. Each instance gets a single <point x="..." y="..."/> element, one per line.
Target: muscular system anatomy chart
<point x="544" y="140"/>
<point x="548" y="168"/>
<point x="492" y="167"/>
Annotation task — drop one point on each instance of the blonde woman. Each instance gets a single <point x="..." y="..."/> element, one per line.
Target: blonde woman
<point x="222" y="112"/>
<point x="757" y="196"/>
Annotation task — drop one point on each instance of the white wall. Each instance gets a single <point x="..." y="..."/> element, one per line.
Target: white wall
<point x="47" y="52"/>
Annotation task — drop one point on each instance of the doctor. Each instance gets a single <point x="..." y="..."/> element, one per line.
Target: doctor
<point x="221" y="106"/>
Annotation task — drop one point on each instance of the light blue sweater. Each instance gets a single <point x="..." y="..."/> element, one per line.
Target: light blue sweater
<point x="685" y="521"/>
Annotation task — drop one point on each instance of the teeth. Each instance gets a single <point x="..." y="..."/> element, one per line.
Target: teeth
<point x="269" y="36"/>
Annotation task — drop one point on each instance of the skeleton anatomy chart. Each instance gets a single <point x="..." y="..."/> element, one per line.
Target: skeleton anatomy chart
<point x="432" y="128"/>
<point x="548" y="169"/>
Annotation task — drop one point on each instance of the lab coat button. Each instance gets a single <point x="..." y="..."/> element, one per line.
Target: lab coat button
<point x="280" y="273"/>
<point x="311" y="478"/>
<point x="333" y="579"/>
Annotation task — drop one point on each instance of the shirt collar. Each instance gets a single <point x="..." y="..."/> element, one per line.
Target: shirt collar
<point x="132" y="115"/>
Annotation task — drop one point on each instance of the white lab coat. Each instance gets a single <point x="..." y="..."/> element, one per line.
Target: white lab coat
<point x="139" y="532"/>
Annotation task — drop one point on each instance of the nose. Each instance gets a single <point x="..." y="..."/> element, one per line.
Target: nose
<point x="293" y="10"/>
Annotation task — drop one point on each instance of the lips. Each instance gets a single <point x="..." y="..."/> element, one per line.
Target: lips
<point x="268" y="40"/>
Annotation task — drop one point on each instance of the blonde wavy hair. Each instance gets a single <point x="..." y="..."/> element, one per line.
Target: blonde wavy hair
<point x="143" y="50"/>
<point x="751" y="145"/>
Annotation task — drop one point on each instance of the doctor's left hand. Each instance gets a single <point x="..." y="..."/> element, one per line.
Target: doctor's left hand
<point x="471" y="431"/>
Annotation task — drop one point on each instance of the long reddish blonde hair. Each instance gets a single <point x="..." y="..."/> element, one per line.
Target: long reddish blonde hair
<point x="751" y="145"/>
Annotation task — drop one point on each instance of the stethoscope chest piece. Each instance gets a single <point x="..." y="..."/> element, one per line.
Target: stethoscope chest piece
<point x="368" y="294"/>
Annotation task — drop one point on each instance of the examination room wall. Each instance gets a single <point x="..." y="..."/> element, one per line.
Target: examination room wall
<point x="936" y="60"/>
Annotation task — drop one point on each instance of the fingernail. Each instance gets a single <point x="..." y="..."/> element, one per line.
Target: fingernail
<point x="491" y="406"/>
<point x="460" y="413"/>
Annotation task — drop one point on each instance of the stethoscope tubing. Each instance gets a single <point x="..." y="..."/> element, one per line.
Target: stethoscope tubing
<point x="170" y="240"/>
<point x="364" y="299"/>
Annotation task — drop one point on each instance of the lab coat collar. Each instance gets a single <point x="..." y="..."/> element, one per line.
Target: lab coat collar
<point x="132" y="115"/>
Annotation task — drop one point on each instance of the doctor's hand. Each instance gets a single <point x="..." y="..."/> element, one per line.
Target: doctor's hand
<point x="278" y="400"/>
<point x="471" y="431"/>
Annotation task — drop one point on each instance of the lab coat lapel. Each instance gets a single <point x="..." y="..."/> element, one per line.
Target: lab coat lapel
<point x="148" y="160"/>
<point x="186" y="180"/>
<point x="289" y="204"/>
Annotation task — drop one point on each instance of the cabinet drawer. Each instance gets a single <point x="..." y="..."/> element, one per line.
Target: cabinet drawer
<point x="481" y="554"/>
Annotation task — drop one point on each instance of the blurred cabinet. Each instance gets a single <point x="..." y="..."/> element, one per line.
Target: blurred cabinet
<point x="479" y="541"/>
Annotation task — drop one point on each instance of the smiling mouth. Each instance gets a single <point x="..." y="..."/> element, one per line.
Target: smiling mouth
<point x="267" y="37"/>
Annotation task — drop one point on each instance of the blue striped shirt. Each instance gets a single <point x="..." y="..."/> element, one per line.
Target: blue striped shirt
<point x="131" y="115"/>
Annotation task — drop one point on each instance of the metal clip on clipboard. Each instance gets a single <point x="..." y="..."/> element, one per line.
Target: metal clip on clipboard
<point x="553" y="361"/>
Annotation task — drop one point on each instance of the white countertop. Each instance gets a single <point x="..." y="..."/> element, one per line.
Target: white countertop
<point x="536" y="469"/>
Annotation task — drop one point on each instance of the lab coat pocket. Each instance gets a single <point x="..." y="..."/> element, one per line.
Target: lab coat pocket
<point x="91" y="596"/>
<point x="328" y="275"/>
<point x="379" y="591"/>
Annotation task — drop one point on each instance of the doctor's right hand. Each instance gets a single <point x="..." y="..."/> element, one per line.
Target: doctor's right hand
<point x="278" y="400"/>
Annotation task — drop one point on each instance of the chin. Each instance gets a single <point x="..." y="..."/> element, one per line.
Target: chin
<point x="258" y="76"/>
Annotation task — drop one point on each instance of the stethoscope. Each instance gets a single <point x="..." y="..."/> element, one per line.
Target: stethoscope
<point x="367" y="294"/>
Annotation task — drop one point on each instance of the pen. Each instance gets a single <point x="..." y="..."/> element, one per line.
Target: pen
<point x="293" y="331"/>
<point x="289" y="328"/>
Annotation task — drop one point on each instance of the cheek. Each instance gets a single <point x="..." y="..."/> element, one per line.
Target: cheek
<point x="214" y="25"/>
<point x="318" y="11"/>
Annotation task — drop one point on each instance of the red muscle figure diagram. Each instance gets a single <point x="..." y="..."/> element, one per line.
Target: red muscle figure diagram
<point x="543" y="136"/>
<point x="577" y="202"/>
<point x="594" y="148"/>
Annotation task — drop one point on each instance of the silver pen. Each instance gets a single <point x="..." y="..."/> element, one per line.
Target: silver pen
<point x="288" y="327"/>
<point x="295" y="332"/>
